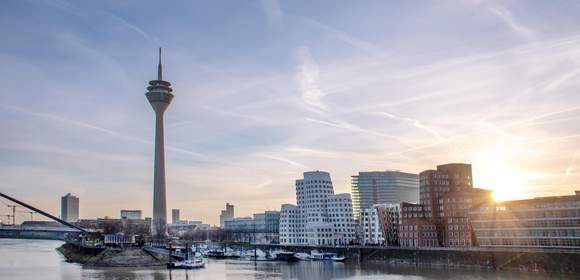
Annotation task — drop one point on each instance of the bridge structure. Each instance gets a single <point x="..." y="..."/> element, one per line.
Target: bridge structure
<point x="57" y="233"/>
<point x="47" y="233"/>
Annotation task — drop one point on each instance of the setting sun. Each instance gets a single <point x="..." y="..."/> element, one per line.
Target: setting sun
<point x="497" y="172"/>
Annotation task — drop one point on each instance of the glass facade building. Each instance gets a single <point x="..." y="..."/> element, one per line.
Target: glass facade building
<point x="382" y="187"/>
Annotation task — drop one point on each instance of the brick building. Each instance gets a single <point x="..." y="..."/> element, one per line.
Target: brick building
<point x="445" y="197"/>
<point x="416" y="229"/>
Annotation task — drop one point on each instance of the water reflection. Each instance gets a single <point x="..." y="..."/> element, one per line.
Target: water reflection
<point x="35" y="259"/>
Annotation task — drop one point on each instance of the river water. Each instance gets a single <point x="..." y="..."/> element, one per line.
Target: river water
<point x="38" y="259"/>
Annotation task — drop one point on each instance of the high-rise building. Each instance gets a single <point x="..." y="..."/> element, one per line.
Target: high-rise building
<point x="159" y="96"/>
<point x="382" y="187"/>
<point x="552" y="221"/>
<point x="131" y="214"/>
<point x="320" y="217"/>
<point x="446" y="195"/>
<point x="69" y="208"/>
<point x="227" y="214"/>
<point x="174" y="216"/>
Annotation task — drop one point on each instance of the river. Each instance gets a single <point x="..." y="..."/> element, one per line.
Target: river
<point x="38" y="259"/>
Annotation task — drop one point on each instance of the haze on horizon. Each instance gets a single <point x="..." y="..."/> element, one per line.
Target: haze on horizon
<point x="265" y="90"/>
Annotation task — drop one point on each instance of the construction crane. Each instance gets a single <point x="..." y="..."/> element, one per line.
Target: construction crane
<point x="29" y="212"/>
<point x="13" y="213"/>
<point x="7" y="216"/>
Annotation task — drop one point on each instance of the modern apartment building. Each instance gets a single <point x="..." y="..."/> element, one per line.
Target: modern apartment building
<point x="320" y="216"/>
<point x="69" y="208"/>
<point x="540" y="222"/>
<point x="382" y="187"/>
<point x="291" y="225"/>
<point x="379" y="225"/>
<point x="416" y="229"/>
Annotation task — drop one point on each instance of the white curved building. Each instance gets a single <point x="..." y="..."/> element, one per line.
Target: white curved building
<point x="320" y="217"/>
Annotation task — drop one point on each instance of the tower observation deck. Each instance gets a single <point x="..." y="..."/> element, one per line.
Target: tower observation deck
<point x="159" y="96"/>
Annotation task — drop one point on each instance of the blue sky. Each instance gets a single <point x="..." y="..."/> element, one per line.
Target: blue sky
<point x="265" y="90"/>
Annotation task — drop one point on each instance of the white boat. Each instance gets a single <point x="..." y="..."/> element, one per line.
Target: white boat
<point x="257" y="255"/>
<point x="338" y="259"/>
<point x="302" y="256"/>
<point x="232" y="254"/>
<point x="188" y="264"/>
<point x="315" y="256"/>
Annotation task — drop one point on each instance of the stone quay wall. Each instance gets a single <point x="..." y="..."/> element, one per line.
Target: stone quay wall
<point x="521" y="259"/>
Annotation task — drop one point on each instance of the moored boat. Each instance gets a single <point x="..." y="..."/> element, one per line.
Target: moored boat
<point x="315" y="256"/>
<point x="187" y="264"/>
<point x="286" y="256"/>
<point x="215" y="254"/>
<point x="302" y="256"/>
<point x="338" y="259"/>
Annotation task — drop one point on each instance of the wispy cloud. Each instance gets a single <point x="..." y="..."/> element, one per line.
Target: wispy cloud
<point x="415" y="123"/>
<point x="571" y="166"/>
<point x="307" y="77"/>
<point x="353" y="128"/>
<point x="125" y="136"/>
<point x="146" y="35"/>
<point x="510" y="20"/>
<point x="351" y="40"/>
<point x="282" y="159"/>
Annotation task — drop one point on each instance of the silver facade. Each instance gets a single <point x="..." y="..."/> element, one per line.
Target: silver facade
<point x="382" y="187"/>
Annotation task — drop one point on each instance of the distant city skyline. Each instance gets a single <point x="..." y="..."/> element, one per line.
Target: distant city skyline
<point x="270" y="89"/>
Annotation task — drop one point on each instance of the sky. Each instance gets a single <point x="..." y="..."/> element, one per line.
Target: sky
<point x="265" y="90"/>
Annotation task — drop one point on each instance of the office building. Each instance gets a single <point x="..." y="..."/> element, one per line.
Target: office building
<point x="320" y="216"/>
<point x="543" y="222"/>
<point x="174" y="216"/>
<point x="131" y="214"/>
<point x="226" y="214"/>
<point x="382" y="187"/>
<point x="261" y="228"/>
<point x="69" y="208"/>
<point x="268" y="221"/>
<point x="240" y="224"/>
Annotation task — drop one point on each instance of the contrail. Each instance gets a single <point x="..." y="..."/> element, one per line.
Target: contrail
<point x="94" y="127"/>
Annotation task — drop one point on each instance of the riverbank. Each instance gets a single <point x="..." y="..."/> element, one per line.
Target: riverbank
<point x="110" y="257"/>
<point x="494" y="259"/>
<point x="38" y="259"/>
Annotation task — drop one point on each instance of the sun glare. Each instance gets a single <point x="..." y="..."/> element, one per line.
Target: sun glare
<point x="497" y="172"/>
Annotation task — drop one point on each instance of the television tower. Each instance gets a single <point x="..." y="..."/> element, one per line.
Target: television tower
<point x="159" y="96"/>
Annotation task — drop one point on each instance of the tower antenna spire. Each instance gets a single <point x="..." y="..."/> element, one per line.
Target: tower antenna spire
<point x="159" y="68"/>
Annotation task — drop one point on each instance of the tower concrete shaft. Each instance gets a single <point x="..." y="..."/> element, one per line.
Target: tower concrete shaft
<point x="159" y="96"/>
